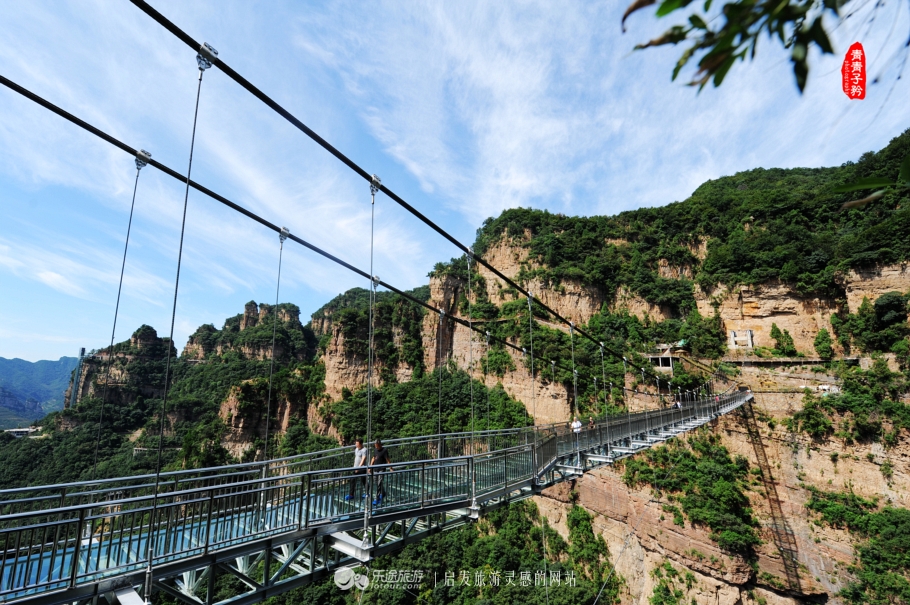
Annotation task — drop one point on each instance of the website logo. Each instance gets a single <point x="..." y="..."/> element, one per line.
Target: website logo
<point x="346" y="578"/>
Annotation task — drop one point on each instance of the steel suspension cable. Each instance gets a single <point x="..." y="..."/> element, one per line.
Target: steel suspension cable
<point x="471" y="353"/>
<point x="268" y="414"/>
<point x="203" y="60"/>
<point x="271" y="103"/>
<point x="574" y="371"/>
<point x="236" y="207"/>
<point x="487" y="353"/>
<point x="221" y="199"/>
<point x="140" y="164"/>
<point x="531" y="337"/>
<point x="543" y="525"/>
<point x="440" y="340"/>
<point x="374" y="187"/>
<point x="625" y="371"/>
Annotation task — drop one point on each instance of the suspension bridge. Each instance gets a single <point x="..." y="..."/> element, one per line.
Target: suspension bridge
<point x="281" y="524"/>
<point x="278" y="524"/>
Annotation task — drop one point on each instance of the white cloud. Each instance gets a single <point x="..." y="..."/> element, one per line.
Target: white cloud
<point x="58" y="282"/>
<point x="465" y="109"/>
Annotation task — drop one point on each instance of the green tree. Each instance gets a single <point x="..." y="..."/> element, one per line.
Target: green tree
<point x="783" y="342"/>
<point x="719" y="43"/>
<point x="882" y="573"/>
<point x="823" y="344"/>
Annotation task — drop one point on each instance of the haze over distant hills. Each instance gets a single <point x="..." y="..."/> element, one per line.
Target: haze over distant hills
<point x="29" y="390"/>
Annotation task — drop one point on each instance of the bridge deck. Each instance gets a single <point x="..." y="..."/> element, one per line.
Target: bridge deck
<point x="60" y="543"/>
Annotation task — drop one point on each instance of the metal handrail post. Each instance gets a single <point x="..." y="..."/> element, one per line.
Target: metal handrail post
<point x="305" y="505"/>
<point x="208" y="524"/>
<point x="75" y="572"/>
<point x="368" y="505"/>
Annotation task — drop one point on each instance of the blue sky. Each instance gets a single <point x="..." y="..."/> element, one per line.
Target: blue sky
<point x="464" y="109"/>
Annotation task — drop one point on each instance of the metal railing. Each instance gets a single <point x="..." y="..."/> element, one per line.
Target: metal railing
<point x="61" y="536"/>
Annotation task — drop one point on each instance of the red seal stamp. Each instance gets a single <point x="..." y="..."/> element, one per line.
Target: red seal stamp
<point x="853" y="72"/>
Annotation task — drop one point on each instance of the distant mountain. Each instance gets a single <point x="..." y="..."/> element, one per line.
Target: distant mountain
<point x="29" y="390"/>
<point x="15" y="412"/>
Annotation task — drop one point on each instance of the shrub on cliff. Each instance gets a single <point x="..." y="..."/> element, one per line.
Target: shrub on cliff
<point x="882" y="575"/>
<point x="413" y="408"/>
<point x="875" y="327"/>
<point x="867" y="398"/>
<point x="783" y="342"/>
<point x="823" y="344"/>
<point x="708" y="483"/>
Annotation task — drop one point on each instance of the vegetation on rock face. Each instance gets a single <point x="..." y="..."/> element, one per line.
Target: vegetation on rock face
<point x="823" y="344"/>
<point x="671" y="586"/>
<point x="760" y="225"/>
<point x="868" y="407"/>
<point x="506" y="549"/>
<point x="882" y="570"/>
<point x="706" y="482"/>
<point x="396" y="333"/>
<point x="874" y="327"/>
<point x="292" y="340"/>
<point x="620" y="331"/>
<point x="783" y="342"/>
<point x="193" y="431"/>
<point x="412" y="408"/>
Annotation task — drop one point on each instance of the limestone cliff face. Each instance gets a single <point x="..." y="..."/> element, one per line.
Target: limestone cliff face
<point x="746" y="307"/>
<point x="205" y="342"/>
<point x="757" y="307"/>
<point x="570" y="299"/>
<point x="245" y="419"/>
<point x="627" y="300"/>
<point x="445" y="340"/>
<point x="741" y="308"/>
<point x="639" y="539"/>
<point x="97" y="368"/>
<point x="872" y="282"/>
<point x="348" y="370"/>
<point x="245" y="422"/>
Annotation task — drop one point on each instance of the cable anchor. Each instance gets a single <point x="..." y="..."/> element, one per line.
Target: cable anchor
<point x="283" y="235"/>
<point x="143" y="157"/>
<point x="206" y="56"/>
<point x="375" y="184"/>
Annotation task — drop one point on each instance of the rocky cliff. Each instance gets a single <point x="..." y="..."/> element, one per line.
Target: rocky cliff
<point x="640" y="535"/>
<point x="250" y="335"/>
<point x="115" y="369"/>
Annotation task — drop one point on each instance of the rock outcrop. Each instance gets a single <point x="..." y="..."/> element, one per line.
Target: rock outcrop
<point x="249" y="334"/>
<point x="641" y="537"/>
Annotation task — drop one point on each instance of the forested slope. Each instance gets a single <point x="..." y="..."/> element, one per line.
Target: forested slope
<point x="756" y="227"/>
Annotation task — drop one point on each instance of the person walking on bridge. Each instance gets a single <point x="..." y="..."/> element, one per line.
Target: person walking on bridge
<point x="380" y="456"/>
<point x="360" y="461"/>
<point x="576" y="428"/>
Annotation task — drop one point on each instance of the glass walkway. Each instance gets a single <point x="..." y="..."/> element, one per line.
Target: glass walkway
<point x="288" y="522"/>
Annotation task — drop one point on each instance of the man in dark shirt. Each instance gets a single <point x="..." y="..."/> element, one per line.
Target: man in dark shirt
<point x="380" y="456"/>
